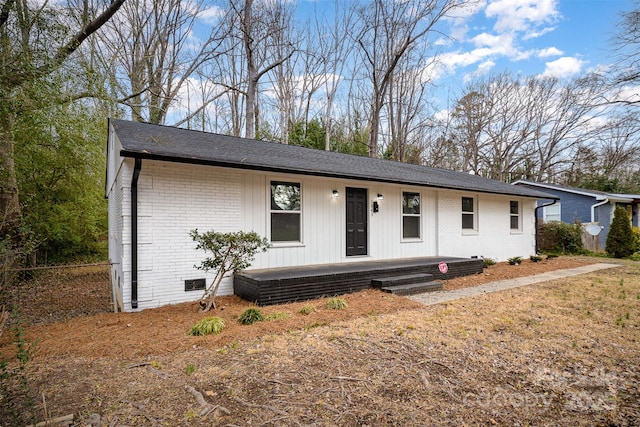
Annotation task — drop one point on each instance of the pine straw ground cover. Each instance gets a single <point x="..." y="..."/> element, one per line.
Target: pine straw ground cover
<point x="563" y="352"/>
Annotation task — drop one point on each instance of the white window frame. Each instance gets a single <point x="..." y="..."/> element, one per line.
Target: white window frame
<point x="545" y="212"/>
<point x="473" y="230"/>
<point x="517" y="215"/>
<point x="271" y="212"/>
<point x="403" y="215"/>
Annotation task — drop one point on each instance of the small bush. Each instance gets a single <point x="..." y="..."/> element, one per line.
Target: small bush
<point x="307" y="309"/>
<point x="636" y="238"/>
<point x="336" y="304"/>
<point x="620" y="240"/>
<point x="251" y="316"/>
<point x="488" y="262"/>
<point x="535" y="258"/>
<point x="516" y="260"/>
<point x="635" y="256"/>
<point x="560" y="237"/>
<point x="207" y="326"/>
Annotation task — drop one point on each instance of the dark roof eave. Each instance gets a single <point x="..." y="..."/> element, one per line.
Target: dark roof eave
<point x="248" y="166"/>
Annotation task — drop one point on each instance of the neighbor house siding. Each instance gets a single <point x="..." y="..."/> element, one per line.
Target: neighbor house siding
<point x="493" y="237"/>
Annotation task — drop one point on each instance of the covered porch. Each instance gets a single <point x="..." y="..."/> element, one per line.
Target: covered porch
<point x="401" y="276"/>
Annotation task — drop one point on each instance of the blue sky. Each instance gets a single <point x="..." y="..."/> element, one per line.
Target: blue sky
<point x="563" y="38"/>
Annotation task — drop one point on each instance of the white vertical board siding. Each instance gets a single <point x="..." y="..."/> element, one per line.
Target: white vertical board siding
<point x="323" y="222"/>
<point x="493" y="237"/>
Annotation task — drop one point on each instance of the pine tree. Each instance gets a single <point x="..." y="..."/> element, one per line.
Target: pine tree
<point x="620" y="242"/>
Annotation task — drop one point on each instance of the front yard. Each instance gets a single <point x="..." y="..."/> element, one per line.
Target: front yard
<point x="559" y="353"/>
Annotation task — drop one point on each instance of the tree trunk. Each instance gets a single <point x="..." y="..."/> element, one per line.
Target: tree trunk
<point x="9" y="200"/>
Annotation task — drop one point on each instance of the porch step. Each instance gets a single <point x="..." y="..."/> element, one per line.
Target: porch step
<point x="407" y="279"/>
<point x="414" y="288"/>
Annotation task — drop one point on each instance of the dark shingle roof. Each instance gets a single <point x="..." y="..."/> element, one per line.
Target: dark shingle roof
<point x="148" y="141"/>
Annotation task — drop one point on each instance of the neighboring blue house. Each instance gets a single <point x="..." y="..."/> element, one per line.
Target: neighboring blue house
<point x="584" y="206"/>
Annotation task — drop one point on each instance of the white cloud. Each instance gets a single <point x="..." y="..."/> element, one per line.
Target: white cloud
<point x="211" y="15"/>
<point x="550" y="51"/>
<point x="519" y="15"/>
<point x="563" y="67"/>
<point x="539" y="33"/>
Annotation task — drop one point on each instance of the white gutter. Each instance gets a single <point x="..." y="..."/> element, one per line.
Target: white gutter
<point x="593" y="208"/>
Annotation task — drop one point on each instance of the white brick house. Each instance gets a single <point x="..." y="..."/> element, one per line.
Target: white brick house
<point x="315" y="207"/>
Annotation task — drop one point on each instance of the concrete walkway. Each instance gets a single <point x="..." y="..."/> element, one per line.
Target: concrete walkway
<point x="431" y="298"/>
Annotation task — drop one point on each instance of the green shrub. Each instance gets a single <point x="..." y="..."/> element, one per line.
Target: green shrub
<point x="251" y="316"/>
<point x="516" y="260"/>
<point x="636" y="238"/>
<point x="635" y="256"/>
<point x="336" y="304"/>
<point x="560" y="237"/>
<point x="307" y="309"/>
<point x="620" y="241"/>
<point x="207" y="326"/>
<point x="488" y="262"/>
<point x="535" y="258"/>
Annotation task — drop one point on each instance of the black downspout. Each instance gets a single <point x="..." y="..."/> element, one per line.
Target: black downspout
<point x="536" y="217"/>
<point x="134" y="233"/>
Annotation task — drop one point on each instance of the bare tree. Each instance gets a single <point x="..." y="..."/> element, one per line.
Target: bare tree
<point x="157" y="54"/>
<point x="333" y="52"/>
<point x="388" y="32"/>
<point x="260" y="29"/>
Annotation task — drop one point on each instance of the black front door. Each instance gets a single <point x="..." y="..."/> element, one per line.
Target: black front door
<point x="356" y="221"/>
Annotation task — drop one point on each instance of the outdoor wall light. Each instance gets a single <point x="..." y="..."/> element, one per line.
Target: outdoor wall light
<point x="335" y="194"/>
<point x="380" y="196"/>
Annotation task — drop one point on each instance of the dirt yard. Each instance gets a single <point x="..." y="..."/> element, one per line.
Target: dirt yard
<point x="563" y="352"/>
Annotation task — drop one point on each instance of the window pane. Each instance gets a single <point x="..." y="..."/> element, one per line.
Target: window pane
<point x="410" y="203"/>
<point x="513" y="205"/>
<point x="467" y="221"/>
<point x="285" y="227"/>
<point x="285" y="196"/>
<point x="467" y="204"/>
<point x="552" y="213"/>
<point x="515" y="223"/>
<point x="411" y="226"/>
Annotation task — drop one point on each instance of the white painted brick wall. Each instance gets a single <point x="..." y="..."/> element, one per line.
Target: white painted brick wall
<point x="173" y="200"/>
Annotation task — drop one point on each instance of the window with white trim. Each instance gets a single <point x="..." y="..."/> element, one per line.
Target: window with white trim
<point x="410" y="215"/>
<point x="551" y="212"/>
<point x="469" y="214"/>
<point x="286" y="211"/>
<point x="515" y="215"/>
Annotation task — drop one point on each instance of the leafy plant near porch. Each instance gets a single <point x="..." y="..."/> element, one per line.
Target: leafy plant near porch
<point x="232" y="252"/>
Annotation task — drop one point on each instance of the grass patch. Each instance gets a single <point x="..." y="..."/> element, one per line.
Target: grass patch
<point x="207" y="326"/>
<point x="251" y="316"/>
<point x="336" y="303"/>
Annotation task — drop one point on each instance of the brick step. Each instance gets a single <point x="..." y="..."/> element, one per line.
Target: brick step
<point x="414" y="288"/>
<point x="407" y="279"/>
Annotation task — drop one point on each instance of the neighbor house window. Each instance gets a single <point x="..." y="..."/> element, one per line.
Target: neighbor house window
<point x="551" y="213"/>
<point x="514" y="212"/>
<point x="410" y="215"/>
<point x="285" y="211"/>
<point x="469" y="218"/>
